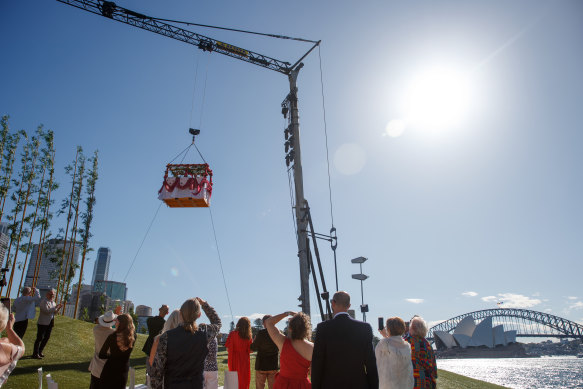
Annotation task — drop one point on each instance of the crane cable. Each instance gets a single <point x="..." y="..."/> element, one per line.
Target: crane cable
<point x="204" y="160"/>
<point x="333" y="238"/>
<point x="143" y="240"/>
<point x="326" y="136"/>
<point x="184" y="153"/>
<point x="234" y="30"/>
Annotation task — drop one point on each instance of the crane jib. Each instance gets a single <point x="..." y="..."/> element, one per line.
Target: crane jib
<point x="112" y="11"/>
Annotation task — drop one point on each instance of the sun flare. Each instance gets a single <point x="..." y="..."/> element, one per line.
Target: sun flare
<point x="438" y="98"/>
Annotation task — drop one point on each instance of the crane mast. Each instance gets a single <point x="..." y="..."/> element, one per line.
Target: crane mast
<point x="110" y="10"/>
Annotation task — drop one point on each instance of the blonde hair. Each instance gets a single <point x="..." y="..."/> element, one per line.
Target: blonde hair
<point x="418" y="327"/>
<point x="3" y="317"/>
<point x="190" y="311"/>
<point x="173" y="321"/>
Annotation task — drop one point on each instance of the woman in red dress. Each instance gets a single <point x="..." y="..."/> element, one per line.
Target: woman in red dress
<point x="239" y="347"/>
<point x="295" y="350"/>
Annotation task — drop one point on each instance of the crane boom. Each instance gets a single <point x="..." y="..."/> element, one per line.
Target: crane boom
<point x="112" y="11"/>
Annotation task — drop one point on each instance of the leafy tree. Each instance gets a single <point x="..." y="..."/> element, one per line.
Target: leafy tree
<point x="76" y="173"/>
<point x="134" y="317"/>
<point x="44" y="186"/>
<point x="85" y="315"/>
<point x="87" y="218"/>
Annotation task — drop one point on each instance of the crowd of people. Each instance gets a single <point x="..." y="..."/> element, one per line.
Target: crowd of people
<point x="182" y="352"/>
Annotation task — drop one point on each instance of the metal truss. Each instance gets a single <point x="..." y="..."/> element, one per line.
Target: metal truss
<point x="112" y="11"/>
<point x="564" y="328"/>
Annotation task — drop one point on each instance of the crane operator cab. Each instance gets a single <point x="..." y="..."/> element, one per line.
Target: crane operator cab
<point x="187" y="186"/>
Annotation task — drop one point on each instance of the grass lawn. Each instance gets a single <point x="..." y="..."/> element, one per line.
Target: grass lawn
<point x="70" y="349"/>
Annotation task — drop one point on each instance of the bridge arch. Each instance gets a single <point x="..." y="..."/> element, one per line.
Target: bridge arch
<point x="527" y="323"/>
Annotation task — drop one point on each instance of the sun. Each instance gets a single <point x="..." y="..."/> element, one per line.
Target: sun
<point x="438" y="98"/>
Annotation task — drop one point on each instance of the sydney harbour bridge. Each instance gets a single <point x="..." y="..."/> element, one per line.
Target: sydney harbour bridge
<point x="528" y="324"/>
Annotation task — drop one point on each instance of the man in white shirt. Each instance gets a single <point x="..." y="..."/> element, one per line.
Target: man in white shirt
<point x="45" y="324"/>
<point x="24" y="309"/>
<point x="100" y="332"/>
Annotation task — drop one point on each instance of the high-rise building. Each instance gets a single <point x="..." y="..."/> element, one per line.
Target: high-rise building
<point x="113" y="289"/>
<point x="101" y="268"/>
<point x="70" y="307"/>
<point x="4" y="240"/>
<point x="48" y="273"/>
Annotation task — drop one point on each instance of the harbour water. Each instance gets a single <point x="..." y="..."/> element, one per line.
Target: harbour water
<point x="519" y="373"/>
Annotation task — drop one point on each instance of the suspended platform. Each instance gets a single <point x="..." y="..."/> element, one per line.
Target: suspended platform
<point x="187" y="186"/>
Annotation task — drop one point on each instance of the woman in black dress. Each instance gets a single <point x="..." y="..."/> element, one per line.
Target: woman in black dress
<point x="116" y="350"/>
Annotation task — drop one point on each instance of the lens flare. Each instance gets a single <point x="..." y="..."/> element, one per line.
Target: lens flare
<point x="349" y="159"/>
<point x="395" y="128"/>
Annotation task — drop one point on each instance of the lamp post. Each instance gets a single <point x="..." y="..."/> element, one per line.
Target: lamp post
<point x="361" y="277"/>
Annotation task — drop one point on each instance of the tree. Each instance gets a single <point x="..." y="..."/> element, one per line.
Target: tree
<point x="7" y="158"/>
<point x="70" y="265"/>
<point x="68" y="203"/>
<point x="44" y="188"/>
<point x="46" y="203"/>
<point x="85" y="315"/>
<point x="134" y="317"/>
<point x="257" y="326"/>
<point x="87" y="218"/>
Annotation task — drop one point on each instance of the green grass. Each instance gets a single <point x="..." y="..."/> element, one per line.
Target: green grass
<point x="70" y="349"/>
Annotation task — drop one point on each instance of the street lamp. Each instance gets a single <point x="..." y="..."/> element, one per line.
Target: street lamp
<point x="361" y="277"/>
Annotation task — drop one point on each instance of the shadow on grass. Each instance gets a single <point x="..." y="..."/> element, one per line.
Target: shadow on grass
<point x="136" y="363"/>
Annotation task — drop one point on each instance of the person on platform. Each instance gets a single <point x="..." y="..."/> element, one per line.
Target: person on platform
<point x="24" y="306"/>
<point x="422" y="355"/>
<point x="45" y="323"/>
<point x="117" y="350"/>
<point x="343" y="354"/>
<point x="101" y="331"/>
<point x="239" y="347"/>
<point x="394" y="357"/>
<point x="267" y="361"/>
<point x="295" y="348"/>
<point x="155" y="325"/>
<point x="173" y="321"/>
<point x="11" y="347"/>
<point x="180" y="355"/>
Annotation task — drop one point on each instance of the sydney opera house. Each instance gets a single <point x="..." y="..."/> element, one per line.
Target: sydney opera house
<point x="468" y="334"/>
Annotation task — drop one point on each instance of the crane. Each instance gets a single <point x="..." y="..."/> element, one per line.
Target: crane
<point x="289" y="106"/>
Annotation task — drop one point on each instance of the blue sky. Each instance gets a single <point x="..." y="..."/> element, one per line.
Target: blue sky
<point x="488" y="203"/>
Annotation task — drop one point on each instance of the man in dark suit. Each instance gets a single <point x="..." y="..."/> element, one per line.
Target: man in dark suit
<point x="155" y="325"/>
<point x="343" y="355"/>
